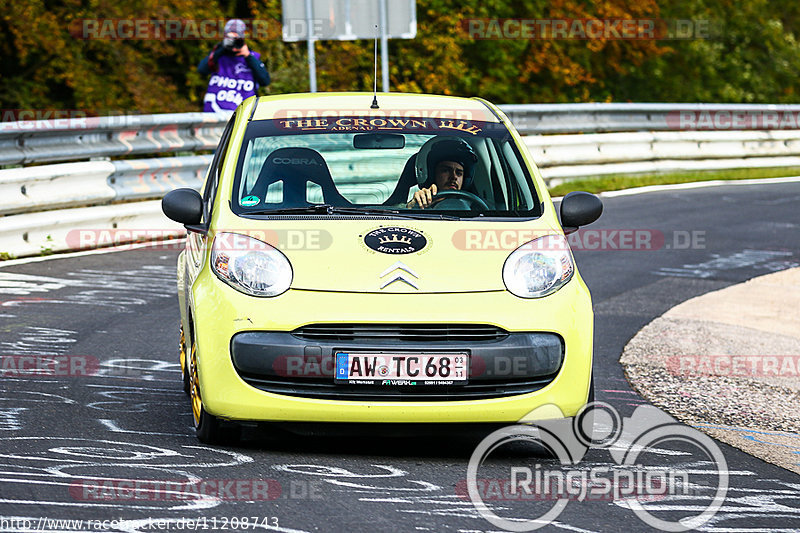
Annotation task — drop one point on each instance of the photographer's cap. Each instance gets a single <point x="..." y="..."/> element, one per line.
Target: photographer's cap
<point x="236" y="26"/>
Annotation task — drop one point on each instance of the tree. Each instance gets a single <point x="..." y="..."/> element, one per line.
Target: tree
<point x="751" y="55"/>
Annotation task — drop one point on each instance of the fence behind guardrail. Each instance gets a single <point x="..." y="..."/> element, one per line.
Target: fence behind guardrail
<point x="41" y="204"/>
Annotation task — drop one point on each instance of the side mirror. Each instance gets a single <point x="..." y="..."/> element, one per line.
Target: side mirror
<point x="578" y="209"/>
<point x="183" y="205"/>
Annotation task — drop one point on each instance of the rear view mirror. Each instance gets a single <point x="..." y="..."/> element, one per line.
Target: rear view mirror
<point x="183" y="205"/>
<point x="578" y="209"/>
<point x="379" y="140"/>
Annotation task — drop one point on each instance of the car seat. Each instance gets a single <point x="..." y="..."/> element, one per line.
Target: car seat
<point x="296" y="168"/>
<point x="408" y="178"/>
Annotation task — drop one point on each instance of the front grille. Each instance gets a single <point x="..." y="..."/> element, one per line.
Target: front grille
<point x="302" y="362"/>
<point x="400" y="332"/>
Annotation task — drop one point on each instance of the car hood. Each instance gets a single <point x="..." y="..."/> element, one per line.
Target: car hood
<point x="397" y="256"/>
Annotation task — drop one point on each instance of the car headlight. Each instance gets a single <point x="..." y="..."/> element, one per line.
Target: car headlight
<point x="249" y="265"/>
<point x="539" y="267"/>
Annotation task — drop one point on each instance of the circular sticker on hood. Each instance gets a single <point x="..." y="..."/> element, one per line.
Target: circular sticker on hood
<point x="395" y="241"/>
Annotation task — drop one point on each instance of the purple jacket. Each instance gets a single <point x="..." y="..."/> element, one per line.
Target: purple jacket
<point x="232" y="82"/>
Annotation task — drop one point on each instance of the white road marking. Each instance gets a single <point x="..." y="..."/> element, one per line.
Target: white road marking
<point x="335" y="471"/>
<point x="41" y="341"/>
<point x="698" y="185"/>
<point x="424" y="486"/>
<point x="114" y="428"/>
<point x="48" y="398"/>
<point x="10" y="418"/>
<point x="711" y="267"/>
<point x="25" y="284"/>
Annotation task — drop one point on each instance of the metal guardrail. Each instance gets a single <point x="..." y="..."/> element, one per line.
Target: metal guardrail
<point x="561" y="157"/>
<point x="27" y="142"/>
<point x="84" y="228"/>
<point x="44" y="206"/>
<point x="71" y="139"/>
<point x="139" y="179"/>
<point x="532" y="119"/>
<point x="41" y="188"/>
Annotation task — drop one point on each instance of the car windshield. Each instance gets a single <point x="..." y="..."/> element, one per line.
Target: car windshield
<point x="368" y="165"/>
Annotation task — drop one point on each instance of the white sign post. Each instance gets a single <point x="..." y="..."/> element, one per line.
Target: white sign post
<point x="347" y="20"/>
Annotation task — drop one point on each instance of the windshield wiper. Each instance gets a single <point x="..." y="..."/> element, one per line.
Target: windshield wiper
<point x="319" y="209"/>
<point x="392" y="212"/>
<point x="327" y="209"/>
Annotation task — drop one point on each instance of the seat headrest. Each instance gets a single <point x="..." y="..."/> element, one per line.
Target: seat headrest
<point x="305" y="160"/>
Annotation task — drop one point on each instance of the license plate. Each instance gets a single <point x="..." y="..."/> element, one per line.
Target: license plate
<point x="360" y="368"/>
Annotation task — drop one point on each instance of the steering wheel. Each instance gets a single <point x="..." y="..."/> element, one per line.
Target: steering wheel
<point x="473" y="199"/>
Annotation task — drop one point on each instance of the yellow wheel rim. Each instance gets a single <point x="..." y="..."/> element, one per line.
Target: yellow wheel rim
<point x="194" y="387"/>
<point x="183" y="351"/>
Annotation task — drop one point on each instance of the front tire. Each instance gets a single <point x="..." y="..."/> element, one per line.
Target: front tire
<point x="209" y="428"/>
<point x="585" y="418"/>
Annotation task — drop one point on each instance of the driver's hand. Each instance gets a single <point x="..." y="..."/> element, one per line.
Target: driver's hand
<point x="423" y="197"/>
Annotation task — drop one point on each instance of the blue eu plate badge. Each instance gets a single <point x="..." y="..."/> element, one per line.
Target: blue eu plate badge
<point x="342" y="363"/>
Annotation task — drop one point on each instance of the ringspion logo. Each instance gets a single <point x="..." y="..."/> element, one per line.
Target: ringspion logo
<point x="532" y="495"/>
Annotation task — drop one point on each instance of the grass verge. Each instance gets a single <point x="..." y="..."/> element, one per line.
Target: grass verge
<point x="617" y="182"/>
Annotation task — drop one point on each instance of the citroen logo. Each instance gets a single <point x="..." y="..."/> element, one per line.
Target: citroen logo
<point x="399" y="271"/>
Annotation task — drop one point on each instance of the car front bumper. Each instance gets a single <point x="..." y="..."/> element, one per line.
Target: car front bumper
<point x="235" y="330"/>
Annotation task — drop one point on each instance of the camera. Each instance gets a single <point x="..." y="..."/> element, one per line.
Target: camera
<point x="230" y="43"/>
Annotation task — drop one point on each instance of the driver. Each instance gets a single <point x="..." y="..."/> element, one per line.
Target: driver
<point x="451" y="163"/>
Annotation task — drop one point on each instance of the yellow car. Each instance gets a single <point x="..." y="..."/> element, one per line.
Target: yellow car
<point x="393" y="259"/>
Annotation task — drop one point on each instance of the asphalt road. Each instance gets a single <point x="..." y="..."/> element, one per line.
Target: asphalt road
<point x="70" y="445"/>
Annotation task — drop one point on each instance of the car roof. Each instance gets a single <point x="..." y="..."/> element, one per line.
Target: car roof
<point x="310" y="105"/>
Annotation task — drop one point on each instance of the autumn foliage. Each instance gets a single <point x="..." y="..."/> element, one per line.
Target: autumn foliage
<point x="750" y="55"/>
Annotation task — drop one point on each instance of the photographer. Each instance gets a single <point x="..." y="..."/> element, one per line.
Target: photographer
<point x="237" y="72"/>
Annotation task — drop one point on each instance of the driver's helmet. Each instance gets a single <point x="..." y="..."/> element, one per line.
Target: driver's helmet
<point x="445" y="149"/>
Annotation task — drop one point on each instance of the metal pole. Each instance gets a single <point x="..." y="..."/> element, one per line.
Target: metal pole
<point x="348" y="25"/>
<point x="312" y="58"/>
<point x="384" y="45"/>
